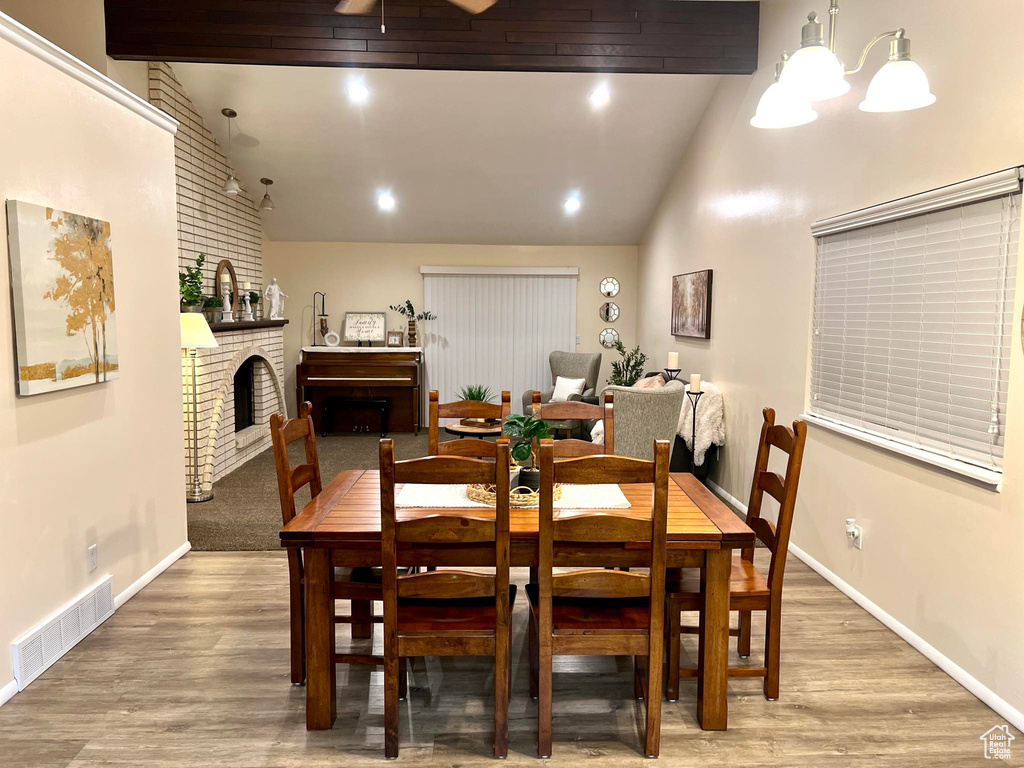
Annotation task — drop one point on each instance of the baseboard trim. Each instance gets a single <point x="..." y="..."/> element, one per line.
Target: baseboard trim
<point x="151" y="574"/>
<point x="8" y="691"/>
<point x="985" y="694"/>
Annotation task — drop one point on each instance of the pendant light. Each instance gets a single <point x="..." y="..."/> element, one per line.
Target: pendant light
<point x="231" y="186"/>
<point x="266" y="204"/>
<point x="900" y="85"/>
<point x="781" y="107"/>
<point x="814" y="73"/>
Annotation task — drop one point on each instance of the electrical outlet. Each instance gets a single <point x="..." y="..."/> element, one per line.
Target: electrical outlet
<point x="854" y="533"/>
<point x="579" y="340"/>
<point x="93" y="558"/>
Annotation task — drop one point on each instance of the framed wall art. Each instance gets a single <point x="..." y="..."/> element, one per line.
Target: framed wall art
<point x="691" y="304"/>
<point x="62" y="286"/>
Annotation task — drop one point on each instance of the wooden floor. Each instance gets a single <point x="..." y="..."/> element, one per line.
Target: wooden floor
<point x="193" y="671"/>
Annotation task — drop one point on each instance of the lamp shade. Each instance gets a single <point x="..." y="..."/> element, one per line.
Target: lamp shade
<point x="814" y="73"/>
<point x="266" y="204"/>
<point x="898" y="86"/>
<point x="195" y="332"/>
<point x="779" y="107"/>
<point x="231" y="186"/>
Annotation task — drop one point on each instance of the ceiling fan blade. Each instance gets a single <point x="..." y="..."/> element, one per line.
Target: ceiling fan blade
<point x="355" y="7"/>
<point x="473" y="6"/>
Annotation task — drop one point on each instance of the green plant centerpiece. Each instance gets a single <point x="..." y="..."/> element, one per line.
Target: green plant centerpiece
<point x="627" y="371"/>
<point x="212" y="307"/>
<point x="254" y="301"/>
<point x="526" y="431"/>
<point x="190" y="283"/>
<point x="408" y="311"/>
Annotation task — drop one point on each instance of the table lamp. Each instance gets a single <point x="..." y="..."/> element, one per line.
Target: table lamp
<point x="196" y="335"/>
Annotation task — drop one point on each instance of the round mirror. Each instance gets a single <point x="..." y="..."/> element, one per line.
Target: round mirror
<point x="609" y="337"/>
<point x="609" y="312"/>
<point x="609" y="287"/>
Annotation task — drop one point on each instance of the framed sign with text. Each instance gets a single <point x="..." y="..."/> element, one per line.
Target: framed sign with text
<point x="365" y="326"/>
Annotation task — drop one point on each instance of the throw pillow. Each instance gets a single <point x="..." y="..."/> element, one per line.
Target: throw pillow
<point x="565" y="387"/>
<point x="650" y="382"/>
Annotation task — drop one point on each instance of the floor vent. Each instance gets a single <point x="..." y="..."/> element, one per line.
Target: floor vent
<point x="38" y="648"/>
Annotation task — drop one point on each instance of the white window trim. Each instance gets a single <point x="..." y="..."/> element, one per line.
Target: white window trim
<point x="973" y="190"/>
<point x="981" y="188"/>
<point x="957" y="466"/>
<point x="471" y="270"/>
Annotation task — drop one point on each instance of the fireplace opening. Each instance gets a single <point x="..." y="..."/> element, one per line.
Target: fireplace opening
<point x="245" y="403"/>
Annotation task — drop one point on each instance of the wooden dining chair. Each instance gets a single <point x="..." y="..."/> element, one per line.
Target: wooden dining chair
<point x="360" y="585"/>
<point x="579" y="410"/>
<point x="598" y="611"/>
<point x="749" y="590"/>
<point x="449" y="612"/>
<point x="465" y="409"/>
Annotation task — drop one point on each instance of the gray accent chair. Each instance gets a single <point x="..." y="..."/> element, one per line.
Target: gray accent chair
<point x="569" y="365"/>
<point x="645" y="415"/>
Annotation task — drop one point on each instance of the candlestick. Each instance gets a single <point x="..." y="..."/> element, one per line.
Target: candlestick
<point x="673" y="360"/>
<point x="695" y="382"/>
<point x="247" y="285"/>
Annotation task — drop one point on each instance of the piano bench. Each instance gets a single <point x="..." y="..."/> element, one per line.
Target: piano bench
<point x="346" y="402"/>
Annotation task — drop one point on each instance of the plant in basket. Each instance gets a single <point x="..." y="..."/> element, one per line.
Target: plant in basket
<point x="526" y="430"/>
<point x="477" y="393"/>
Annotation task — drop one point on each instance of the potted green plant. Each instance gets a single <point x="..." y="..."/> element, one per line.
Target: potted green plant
<point x="408" y="311"/>
<point x="627" y="371"/>
<point x="526" y="430"/>
<point x="213" y="305"/>
<point x="190" y="283"/>
<point x="477" y="393"/>
<point x="254" y="302"/>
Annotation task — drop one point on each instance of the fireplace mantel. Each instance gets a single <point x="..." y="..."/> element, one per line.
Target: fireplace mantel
<point x="247" y="325"/>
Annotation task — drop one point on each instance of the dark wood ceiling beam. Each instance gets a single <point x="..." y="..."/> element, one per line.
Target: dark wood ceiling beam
<point x="678" y="36"/>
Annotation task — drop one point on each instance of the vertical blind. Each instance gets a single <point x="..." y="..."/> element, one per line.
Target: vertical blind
<point x="496" y="330"/>
<point x="913" y="323"/>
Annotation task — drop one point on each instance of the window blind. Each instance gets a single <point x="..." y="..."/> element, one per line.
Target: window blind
<point x="913" y="324"/>
<point x="496" y="328"/>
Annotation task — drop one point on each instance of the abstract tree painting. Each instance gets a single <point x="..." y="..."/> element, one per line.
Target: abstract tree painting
<point x="62" y="280"/>
<point x="691" y="304"/>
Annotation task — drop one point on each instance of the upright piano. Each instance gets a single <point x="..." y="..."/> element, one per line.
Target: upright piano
<point x="343" y="378"/>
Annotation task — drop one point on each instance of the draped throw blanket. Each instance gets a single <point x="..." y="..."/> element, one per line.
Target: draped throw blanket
<point x="710" y="422"/>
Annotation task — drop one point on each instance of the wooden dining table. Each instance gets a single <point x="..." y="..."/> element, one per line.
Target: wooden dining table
<point x="341" y="527"/>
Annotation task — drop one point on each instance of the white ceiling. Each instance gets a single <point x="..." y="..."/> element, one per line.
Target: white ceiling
<point x="471" y="157"/>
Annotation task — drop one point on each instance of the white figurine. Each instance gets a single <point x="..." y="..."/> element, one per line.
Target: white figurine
<point x="275" y="299"/>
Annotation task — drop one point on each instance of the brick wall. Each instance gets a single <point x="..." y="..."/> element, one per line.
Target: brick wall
<point x="222" y="227"/>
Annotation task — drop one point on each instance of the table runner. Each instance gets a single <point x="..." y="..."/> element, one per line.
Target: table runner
<point x="601" y="496"/>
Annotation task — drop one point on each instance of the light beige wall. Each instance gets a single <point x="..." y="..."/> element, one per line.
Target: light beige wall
<point x="99" y="464"/>
<point x="78" y="27"/>
<point x="941" y="555"/>
<point x="371" y="276"/>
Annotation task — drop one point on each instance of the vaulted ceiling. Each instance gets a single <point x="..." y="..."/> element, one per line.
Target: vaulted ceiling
<point x="470" y="157"/>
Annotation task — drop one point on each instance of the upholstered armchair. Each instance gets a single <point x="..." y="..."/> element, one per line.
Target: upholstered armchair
<point x="569" y="365"/>
<point x="645" y="415"/>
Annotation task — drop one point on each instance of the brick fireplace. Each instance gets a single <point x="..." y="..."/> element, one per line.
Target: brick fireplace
<point x="222" y="227"/>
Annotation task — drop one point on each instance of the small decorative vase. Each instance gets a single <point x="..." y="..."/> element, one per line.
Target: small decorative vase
<point x="191" y="307"/>
<point x="412" y="332"/>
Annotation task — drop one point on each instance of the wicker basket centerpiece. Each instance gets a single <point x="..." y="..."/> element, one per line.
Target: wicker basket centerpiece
<point x="484" y="493"/>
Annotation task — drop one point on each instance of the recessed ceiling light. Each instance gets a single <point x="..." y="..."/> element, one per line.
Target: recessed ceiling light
<point x="386" y="201"/>
<point x="572" y="204"/>
<point x="358" y="93"/>
<point x="600" y="96"/>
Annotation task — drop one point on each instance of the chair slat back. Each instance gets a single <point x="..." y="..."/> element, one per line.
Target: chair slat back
<point x="577" y="409"/>
<point x="782" y="488"/>
<point x="283" y="432"/>
<point x="446" y="529"/>
<point x="464" y="409"/>
<point x="602" y="527"/>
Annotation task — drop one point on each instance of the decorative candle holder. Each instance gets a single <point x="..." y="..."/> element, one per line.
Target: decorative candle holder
<point x="671" y="374"/>
<point x="694" y="397"/>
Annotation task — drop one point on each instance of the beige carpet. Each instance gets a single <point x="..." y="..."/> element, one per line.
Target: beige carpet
<point x="245" y="513"/>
